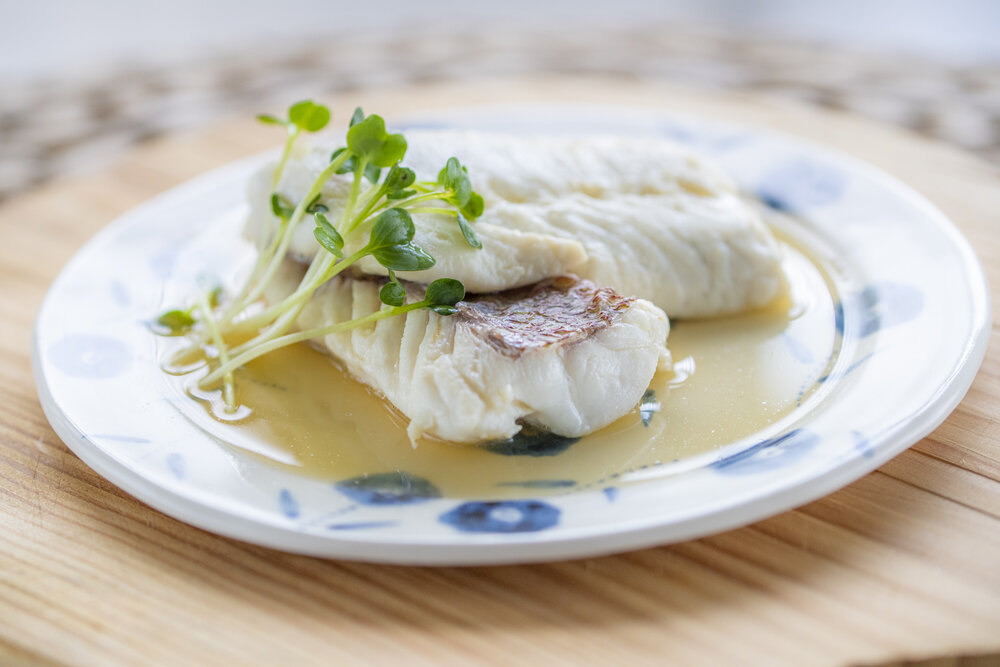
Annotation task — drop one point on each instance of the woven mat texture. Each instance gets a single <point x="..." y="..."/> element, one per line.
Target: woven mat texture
<point x="60" y="127"/>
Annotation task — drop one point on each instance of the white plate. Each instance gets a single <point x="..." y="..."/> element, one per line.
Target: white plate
<point x="913" y="315"/>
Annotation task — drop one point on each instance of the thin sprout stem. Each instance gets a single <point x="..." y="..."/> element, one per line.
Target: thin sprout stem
<point x="283" y="315"/>
<point x="326" y="267"/>
<point x="228" y="385"/>
<point x="297" y="216"/>
<point x="290" y="339"/>
<point x="419" y="199"/>
<point x="280" y="325"/>
<point x="352" y="195"/>
<point x="267" y="252"/>
<point x="318" y="264"/>
<point x="435" y="211"/>
<point x="371" y="197"/>
<point x="371" y="200"/>
<point x="293" y="134"/>
<point x="263" y="258"/>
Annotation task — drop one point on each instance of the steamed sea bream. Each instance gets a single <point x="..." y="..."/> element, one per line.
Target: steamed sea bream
<point x="563" y="355"/>
<point x="481" y="282"/>
<point x="585" y="242"/>
<point x="647" y="218"/>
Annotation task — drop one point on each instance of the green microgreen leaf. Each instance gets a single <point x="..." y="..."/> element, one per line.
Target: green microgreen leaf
<point x="398" y="181"/>
<point x="445" y="292"/>
<point x="391" y="152"/>
<point x="403" y="257"/>
<point x="392" y="294"/>
<point x="372" y="171"/>
<point x="392" y="227"/>
<point x="309" y="116"/>
<point x="268" y="119"/>
<point x="400" y="194"/>
<point x="345" y="168"/>
<point x="468" y="232"/>
<point x="315" y="206"/>
<point x="399" y="178"/>
<point x="328" y="236"/>
<point x="451" y="172"/>
<point x="215" y="296"/>
<point x="368" y="140"/>
<point x="178" y="321"/>
<point x="281" y="206"/>
<point x="357" y="116"/>
<point x="328" y="227"/>
<point x="475" y="206"/>
<point x="328" y="242"/>
<point x="444" y="310"/>
<point x="455" y="177"/>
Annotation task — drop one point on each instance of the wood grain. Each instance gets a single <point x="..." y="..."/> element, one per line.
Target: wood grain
<point x="902" y="565"/>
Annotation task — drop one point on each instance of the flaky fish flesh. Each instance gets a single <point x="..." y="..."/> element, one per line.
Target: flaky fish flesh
<point x="563" y="355"/>
<point x="646" y="217"/>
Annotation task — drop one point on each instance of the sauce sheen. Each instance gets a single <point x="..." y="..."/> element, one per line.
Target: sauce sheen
<point x="734" y="379"/>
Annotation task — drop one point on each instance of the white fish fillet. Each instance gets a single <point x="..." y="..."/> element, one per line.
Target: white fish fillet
<point x="509" y="258"/>
<point x="564" y="356"/>
<point x="518" y="168"/>
<point x="692" y="256"/>
<point x="643" y="216"/>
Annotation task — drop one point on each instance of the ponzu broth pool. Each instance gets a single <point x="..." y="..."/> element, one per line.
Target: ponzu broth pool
<point x="733" y="377"/>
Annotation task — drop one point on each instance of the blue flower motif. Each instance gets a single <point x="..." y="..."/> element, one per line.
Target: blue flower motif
<point x="132" y="439"/>
<point x="704" y="139"/>
<point x="362" y="525"/>
<point x="388" y="488"/>
<point x="838" y="316"/>
<point x="769" y="454"/>
<point x="162" y="263"/>
<point x="862" y="444"/>
<point x="839" y="375"/>
<point x="176" y="465"/>
<point x="120" y="294"/>
<point x="507" y="516"/>
<point x="289" y="506"/>
<point x="90" y="357"/>
<point x="799" y="350"/>
<point x="530" y="441"/>
<point x="800" y="184"/>
<point x="677" y="132"/>
<point x="611" y="493"/>
<point x="541" y="484"/>
<point x="880" y="306"/>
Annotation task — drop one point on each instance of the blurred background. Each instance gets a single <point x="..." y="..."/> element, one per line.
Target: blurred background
<point x="81" y="82"/>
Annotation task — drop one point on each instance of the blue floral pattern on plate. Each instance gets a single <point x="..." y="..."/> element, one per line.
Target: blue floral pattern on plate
<point x="388" y="488"/>
<point x="800" y="184"/>
<point x="506" y="516"/>
<point x="531" y="442"/>
<point x="90" y="356"/>
<point x="289" y="506"/>
<point x="783" y="450"/>
<point x="882" y="305"/>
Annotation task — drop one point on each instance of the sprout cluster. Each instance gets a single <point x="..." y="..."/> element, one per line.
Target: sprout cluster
<point x="377" y="212"/>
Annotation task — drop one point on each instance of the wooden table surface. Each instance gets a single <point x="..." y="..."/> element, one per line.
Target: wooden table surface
<point x="903" y="564"/>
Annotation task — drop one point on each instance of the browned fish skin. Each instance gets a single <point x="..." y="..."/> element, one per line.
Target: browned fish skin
<point x="561" y="311"/>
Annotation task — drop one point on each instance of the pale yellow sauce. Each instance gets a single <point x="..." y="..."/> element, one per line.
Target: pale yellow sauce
<point x="734" y="379"/>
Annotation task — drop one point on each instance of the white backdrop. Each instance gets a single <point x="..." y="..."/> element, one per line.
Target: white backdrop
<point x="59" y="38"/>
